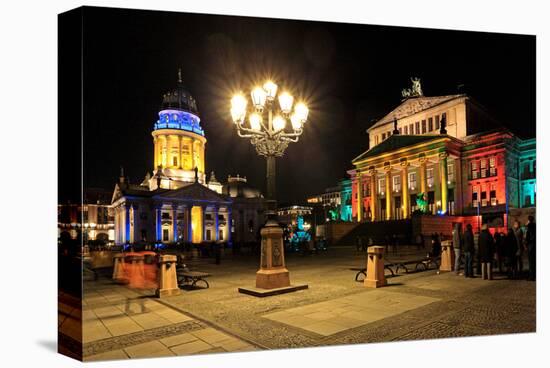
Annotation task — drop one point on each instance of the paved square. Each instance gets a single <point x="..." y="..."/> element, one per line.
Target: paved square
<point x="341" y="314"/>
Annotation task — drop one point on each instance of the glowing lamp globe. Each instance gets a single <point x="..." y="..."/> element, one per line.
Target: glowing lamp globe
<point x="285" y="101"/>
<point x="296" y="122"/>
<point x="270" y="89"/>
<point x="259" y="96"/>
<point x="301" y="111"/>
<point x="279" y="123"/>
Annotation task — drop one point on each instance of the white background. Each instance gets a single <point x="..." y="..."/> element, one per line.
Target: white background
<point x="28" y="183"/>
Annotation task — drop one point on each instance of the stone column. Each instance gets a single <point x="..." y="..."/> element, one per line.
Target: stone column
<point x="160" y="147"/>
<point x="117" y="226"/>
<point x="405" y="189"/>
<point x="375" y="268"/>
<point x="216" y="224"/>
<point x="444" y="181"/>
<point x="156" y="156"/>
<point x="126" y="223"/>
<point x="180" y="154"/>
<point x="189" y="224"/>
<point x="204" y="223"/>
<point x="167" y="277"/>
<point x="228" y="225"/>
<point x="158" y="227"/>
<point x="388" y="193"/>
<point x="423" y="175"/>
<point x="175" y="222"/>
<point x="192" y="146"/>
<point x="168" y="149"/>
<point x="373" y="194"/>
<point x="359" y="198"/>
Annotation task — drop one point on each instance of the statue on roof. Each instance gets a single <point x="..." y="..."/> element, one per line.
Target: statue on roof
<point x="414" y="91"/>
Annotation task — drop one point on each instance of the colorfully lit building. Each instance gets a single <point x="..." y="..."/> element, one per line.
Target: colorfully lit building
<point x="453" y="152"/>
<point x="176" y="203"/>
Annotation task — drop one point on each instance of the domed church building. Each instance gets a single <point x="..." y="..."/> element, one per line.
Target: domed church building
<point x="175" y="203"/>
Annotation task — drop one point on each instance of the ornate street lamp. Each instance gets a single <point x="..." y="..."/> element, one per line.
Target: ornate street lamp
<point x="265" y="121"/>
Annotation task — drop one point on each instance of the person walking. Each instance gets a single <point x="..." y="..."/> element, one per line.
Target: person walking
<point x="469" y="250"/>
<point x="486" y="252"/>
<point x="518" y="233"/>
<point x="530" y="243"/>
<point x="511" y="254"/>
<point x="457" y="245"/>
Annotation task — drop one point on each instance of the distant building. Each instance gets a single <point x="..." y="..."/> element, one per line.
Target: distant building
<point x="450" y="150"/>
<point x="289" y="215"/>
<point x="94" y="219"/>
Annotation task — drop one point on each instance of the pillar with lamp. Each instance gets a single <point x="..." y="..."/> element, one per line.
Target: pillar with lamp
<point x="266" y="123"/>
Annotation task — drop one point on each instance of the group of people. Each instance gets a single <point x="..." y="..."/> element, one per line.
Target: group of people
<point x="506" y="251"/>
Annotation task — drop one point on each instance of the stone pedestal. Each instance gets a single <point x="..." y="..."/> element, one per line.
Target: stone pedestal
<point x="375" y="267"/>
<point x="447" y="256"/>
<point x="118" y="267"/>
<point x="167" y="277"/>
<point x="134" y="265"/>
<point x="272" y="273"/>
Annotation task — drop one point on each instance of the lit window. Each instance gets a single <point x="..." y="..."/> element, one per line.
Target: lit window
<point x="492" y="166"/>
<point x="475" y="196"/>
<point x="437" y="122"/>
<point x="412" y="180"/>
<point x="430" y="124"/>
<point x="493" y="194"/>
<point x="430" y="176"/>
<point x="450" y="172"/>
<point x="423" y="126"/>
<point x="417" y="127"/>
<point x="483" y="166"/>
<point x="381" y="185"/>
<point x="396" y="183"/>
<point x="474" y="169"/>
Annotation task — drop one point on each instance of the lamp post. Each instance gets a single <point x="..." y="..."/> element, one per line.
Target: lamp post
<point x="271" y="121"/>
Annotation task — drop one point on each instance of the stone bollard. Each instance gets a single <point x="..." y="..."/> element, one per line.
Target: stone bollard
<point x="167" y="277"/>
<point x="375" y="267"/>
<point x="272" y="273"/>
<point x="447" y="256"/>
<point x="135" y="271"/>
<point x="118" y="267"/>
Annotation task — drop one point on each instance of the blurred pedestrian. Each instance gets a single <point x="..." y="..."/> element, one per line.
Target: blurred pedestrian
<point x="457" y="245"/>
<point x="469" y="251"/>
<point x="500" y="250"/>
<point x="486" y="252"/>
<point x="511" y="254"/>
<point x="436" y="246"/>
<point x="530" y="242"/>
<point x="518" y="235"/>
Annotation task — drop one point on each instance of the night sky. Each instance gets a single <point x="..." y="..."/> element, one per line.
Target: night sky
<point x="348" y="74"/>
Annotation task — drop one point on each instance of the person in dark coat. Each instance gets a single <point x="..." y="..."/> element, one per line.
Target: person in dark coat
<point x="530" y="243"/>
<point x="511" y="254"/>
<point x="519" y="240"/>
<point x="468" y="247"/>
<point x="486" y="252"/>
<point x="436" y="246"/>
<point x="500" y="250"/>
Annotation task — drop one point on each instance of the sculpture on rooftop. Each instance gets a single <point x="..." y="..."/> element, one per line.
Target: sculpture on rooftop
<point x="414" y="91"/>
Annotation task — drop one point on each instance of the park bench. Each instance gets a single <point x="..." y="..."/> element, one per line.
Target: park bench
<point x="425" y="263"/>
<point x="363" y="271"/>
<point x="191" y="278"/>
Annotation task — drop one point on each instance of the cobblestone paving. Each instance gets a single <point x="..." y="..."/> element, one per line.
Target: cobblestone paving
<point x="462" y="307"/>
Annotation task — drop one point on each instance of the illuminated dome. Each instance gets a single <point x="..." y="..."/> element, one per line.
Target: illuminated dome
<point x="179" y="110"/>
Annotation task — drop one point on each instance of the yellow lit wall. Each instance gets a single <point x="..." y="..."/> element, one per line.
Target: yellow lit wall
<point x="196" y="224"/>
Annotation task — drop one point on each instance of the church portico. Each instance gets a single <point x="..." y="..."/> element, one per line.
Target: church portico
<point x="391" y="181"/>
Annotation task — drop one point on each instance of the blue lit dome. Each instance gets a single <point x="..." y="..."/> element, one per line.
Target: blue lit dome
<point x="179" y="110"/>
